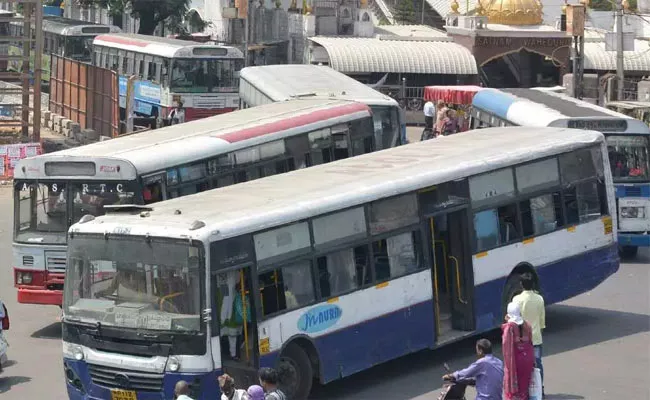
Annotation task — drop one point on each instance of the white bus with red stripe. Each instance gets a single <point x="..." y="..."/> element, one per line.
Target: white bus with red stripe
<point x="53" y="191"/>
<point x="203" y="77"/>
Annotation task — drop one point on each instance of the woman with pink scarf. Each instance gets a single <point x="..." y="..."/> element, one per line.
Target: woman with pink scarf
<point x="518" y="355"/>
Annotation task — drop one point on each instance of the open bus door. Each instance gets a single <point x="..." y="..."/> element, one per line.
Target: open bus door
<point x="446" y="211"/>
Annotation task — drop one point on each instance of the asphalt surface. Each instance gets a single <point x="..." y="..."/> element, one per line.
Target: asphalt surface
<point x="597" y="346"/>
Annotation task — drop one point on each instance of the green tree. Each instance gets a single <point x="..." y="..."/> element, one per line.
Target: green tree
<point x="150" y="12"/>
<point x="608" y="5"/>
<point x="404" y="12"/>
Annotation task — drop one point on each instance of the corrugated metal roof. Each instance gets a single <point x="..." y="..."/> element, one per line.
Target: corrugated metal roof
<point x="597" y="58"/>
<point x="365" y="55"/>
<point x="409" y="31"/>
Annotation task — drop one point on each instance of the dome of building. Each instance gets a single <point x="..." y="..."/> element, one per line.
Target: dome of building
<point x="514" y="12"/>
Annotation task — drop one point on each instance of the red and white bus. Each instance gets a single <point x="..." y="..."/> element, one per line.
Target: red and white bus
<point x="53" y="191"/>
<point x="203" y="77"/>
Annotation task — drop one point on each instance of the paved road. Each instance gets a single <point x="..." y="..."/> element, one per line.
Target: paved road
<point x="597" y="345"/>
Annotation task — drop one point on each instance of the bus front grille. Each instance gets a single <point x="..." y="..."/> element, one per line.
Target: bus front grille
<point x="119" y="378"/>
<point x="55" y="262"/>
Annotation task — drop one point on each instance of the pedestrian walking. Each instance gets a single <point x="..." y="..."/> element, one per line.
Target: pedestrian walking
<point x="487" y="371"/>
<point x="182" y="391"/>
<point x="518" y="355"/>
<point x="269" y="381"/>
<point x="4" y="326"/>
<point x="533" y="311"/>
<point x="429" y="111"/>
<point x="228" y="389"/>
<point x="177" y="114"/>
<point x="255" y="392"/>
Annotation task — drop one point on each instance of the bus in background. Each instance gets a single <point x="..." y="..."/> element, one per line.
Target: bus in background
<point x="339" y="279"/>
<point x="53" y="191"/>
<point x="65" y="37"/>
<point x="627" y="138"/>
<point x="271" y="83"/>
<point x="203" y="77"/>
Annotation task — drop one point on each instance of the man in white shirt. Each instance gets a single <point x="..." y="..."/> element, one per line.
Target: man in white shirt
<point x="228" y="391"/>
<point x="182" y="391"/>
<point x="429" y="114"/>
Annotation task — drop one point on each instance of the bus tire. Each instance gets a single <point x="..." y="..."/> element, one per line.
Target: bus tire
<point x="296" y="372"/>
<point x="628" y="251"/>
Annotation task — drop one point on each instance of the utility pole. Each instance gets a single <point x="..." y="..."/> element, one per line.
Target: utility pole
<point x="246" y="31"/>
<point x="422" y="16"/>
<point x="620" y="68"/>
<point x="38" y="58"/>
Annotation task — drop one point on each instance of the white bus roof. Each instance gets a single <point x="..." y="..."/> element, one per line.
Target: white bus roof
<point x="288" y="81"/>
<point x="72" y="27"/>
<point x="166" y="47"/>
<point x="297" y="195"/>
<point x="162" y="148"/>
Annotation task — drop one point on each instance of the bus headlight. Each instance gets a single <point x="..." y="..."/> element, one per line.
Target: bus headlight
<point x="23" y="278"/>
<point x="632" y="212"/>
<point x="173" y="364"/>
<point x="73" y="351"/>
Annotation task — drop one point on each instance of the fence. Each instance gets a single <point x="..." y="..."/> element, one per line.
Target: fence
<point x="85" y="94"/>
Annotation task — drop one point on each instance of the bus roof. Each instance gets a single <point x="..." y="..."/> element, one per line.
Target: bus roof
<point x="288" y="81"/>
<point x="208" y="137"/>
<point x="304" y="193"/>
<point x="72" y="27"/>
<point x="535" y="107"/>
<point x="166" y="47"/>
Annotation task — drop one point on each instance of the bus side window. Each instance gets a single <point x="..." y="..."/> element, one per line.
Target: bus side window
<point x="298" y="151"/>
<point x="153" y="193"/>
<point x="286" y="288"/>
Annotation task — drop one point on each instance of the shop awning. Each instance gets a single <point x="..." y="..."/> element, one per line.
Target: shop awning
<point x="451" y="94"/>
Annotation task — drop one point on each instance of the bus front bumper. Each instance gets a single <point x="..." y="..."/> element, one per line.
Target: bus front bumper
<point x="641" y="239"/>
<point x="40" y="296"/>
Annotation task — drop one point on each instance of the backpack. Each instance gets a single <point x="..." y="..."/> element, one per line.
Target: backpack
<point x="5" y="320"/>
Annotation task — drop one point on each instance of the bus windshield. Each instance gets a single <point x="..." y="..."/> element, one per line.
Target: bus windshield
<point x="42" y="211"/>
<point x="628" y="158"/>
<point x="133" y="282"/>
<point x="205" y="76"/>
<point x="79" y="48"/>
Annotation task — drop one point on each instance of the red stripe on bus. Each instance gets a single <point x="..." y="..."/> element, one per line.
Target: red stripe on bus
<point x="294" y="122"/>
<point x="121" y="40"/>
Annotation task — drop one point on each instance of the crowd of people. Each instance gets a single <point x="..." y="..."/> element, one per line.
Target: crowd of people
<point x="266" y="390"/>
<point x="440" y="119"/>
<point x="521" y="338"/>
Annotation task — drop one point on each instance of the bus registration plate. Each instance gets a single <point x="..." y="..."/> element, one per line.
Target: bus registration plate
<point x="117" y="394"/>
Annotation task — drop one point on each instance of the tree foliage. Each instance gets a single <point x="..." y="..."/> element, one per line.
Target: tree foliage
<point x="608" y="5"/>
<point x="151" y="13"/>
<point x="404" y="12"/>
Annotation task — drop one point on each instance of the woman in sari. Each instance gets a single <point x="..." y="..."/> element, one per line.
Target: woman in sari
<point x="518" y="355"/>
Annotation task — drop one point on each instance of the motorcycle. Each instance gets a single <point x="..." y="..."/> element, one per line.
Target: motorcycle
<point x="455" y="389"/>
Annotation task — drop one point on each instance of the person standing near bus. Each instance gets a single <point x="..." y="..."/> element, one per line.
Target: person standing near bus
<point x="177" y="115"/>
<point x="429" y="115"/>
<point x="269" y="381"/>
<point x="533" y="312"/>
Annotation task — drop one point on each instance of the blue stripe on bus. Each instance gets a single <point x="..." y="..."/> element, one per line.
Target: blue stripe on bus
<point x="633" y="190"/>
<point x="494" y="101"/>
<point x="389" y="336"/>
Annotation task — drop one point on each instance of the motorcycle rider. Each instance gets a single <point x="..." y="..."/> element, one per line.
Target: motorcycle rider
<point x="487" y="371"/>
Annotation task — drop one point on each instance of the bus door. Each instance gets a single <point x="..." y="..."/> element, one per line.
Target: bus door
<point x="446" y="211"/>
<point x="234" y="317"/>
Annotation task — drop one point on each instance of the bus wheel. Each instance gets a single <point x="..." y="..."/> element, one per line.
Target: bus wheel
<point x="296" y="373"/>
<point x="629" y="251"/>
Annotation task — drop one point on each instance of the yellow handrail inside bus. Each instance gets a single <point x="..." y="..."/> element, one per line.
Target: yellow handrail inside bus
<point x="166" y="299"/>
<point x="444" y="255"/>
<point x="435" y="277"/>
<point x="460" y="297"/>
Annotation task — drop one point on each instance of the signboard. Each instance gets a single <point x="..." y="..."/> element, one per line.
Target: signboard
<point x="600" y="125"/>
<point x="11" y="153"/>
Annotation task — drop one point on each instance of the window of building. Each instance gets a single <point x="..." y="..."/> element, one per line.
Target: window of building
<point x="286" y="288"/>
<point x="343" y="271"/>
<point x="397" y="255"/>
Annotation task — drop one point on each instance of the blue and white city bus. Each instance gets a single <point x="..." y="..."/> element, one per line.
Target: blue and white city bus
<point x="325" y="262"/>
<point x="627" y="140"/>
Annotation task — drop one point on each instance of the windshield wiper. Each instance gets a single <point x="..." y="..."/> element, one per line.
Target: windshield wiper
<point x="94" y="327"/>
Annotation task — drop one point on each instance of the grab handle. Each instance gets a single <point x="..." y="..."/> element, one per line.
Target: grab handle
<point x="460" y="297"/>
